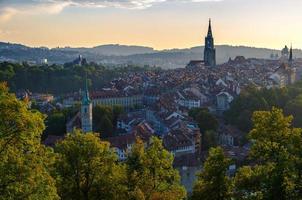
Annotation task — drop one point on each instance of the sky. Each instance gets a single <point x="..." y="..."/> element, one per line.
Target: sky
<point x="161" y="24"/>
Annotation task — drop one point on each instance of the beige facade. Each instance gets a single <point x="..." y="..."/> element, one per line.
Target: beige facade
<point x="125" y="101"/>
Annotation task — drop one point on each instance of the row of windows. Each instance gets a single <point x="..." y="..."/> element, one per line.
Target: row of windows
<point x="128" y="101"/>
<point x="185" y="148"/>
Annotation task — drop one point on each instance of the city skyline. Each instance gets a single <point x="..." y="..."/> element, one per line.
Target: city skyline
<point x="161" y="24"/>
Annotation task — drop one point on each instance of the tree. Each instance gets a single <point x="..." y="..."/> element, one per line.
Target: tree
<point x="276" y="150"/>
<point x="213" y="182"/>
<point x="116" y="112"/>
<point x="249" y="183"/>
<point x="58" y="79"/>
<point x="106" y="125"/>
<point x="6" y="72"/>
<point x="151" y="173"/>
<point x="206" y="121"/>
<point x="210" y="139"/>
<point x="103" y="120"/>
<point x="86" y="169"/>
<point x="25" y="163"/>
<point x="55" y="124"/>
<point x="136" y="171"/>
<point x="294" y="107"/>
<point x="195" y="111"/>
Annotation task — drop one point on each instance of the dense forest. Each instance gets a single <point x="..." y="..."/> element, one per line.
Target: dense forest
<point x="82" y="166"/>
<point x="60" y="79"/>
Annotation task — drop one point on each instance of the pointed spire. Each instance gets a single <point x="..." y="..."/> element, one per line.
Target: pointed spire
<point x="291" y="53"/>
<point x="210" y="29"/>
<point x="86" y="83"/>
<point x="86" y="98"/>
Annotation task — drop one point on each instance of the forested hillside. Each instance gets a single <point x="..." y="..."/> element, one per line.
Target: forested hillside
<point x="59" y="79"/>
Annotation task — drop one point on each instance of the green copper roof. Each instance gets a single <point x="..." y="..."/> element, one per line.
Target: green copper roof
<point x="85" y="98"/>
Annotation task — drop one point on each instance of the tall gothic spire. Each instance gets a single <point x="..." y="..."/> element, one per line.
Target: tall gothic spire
<point x="291" y="53"/>
<point x="210" y="29"/>
<point x="209" y="49"/>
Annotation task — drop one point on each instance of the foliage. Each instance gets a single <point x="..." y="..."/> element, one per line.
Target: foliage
<point x="150" y="173"/>
<point x="294" y="107"/>
<point x="55" y="124"/>
<point x="56" y="120"/>
<point x="208" y="125"/>
<point x="276" y="150"/>
<point x="213" y="182"/>
<point x="86" y="168"/>
<point x="252" y="99"/>
<point x="210" y="139"/>
<point x="57" y="79"/>
<point x="206" y="121"/>
<point x="25" y="163"/>
<point x="105" y="119"/>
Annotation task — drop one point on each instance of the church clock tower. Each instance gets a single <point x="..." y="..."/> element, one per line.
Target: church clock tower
<point x="86" y="110"/>
<point x="209" y="49"/>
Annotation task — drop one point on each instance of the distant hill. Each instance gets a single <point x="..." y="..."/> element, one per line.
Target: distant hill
<point x="122" y="54"/>
<point x="113" y="50"/>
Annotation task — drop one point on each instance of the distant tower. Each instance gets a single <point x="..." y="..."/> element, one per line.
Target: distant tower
<point x="209" y="49"/>
<point x="86" y="110"/>
<point x="290" y="59"/>
<point x="284" y="52"/>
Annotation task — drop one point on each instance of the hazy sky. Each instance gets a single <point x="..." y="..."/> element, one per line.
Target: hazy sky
<point x="156" y="23"/>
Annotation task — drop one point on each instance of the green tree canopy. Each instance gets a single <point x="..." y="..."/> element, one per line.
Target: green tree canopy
<point x="294" y="107"/>
<point x="55" y="124"/>
<point x="103" y="120"/>
<point x="208" y="125"/>
<point x="211" y="139"/>
<point x="58" y="79"/>
<point x="86" y="168"/>
<point x="151" y="174"/>
<point x="24" y="162"/>
<point x="213" y="182"/>
<point x="276" y="151"/>
<point x="205" y="120"/>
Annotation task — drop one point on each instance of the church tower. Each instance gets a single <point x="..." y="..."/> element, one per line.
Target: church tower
<point x="209" y="49"/>
<point x="86" y="110"/>
<point x="290" y="59"/>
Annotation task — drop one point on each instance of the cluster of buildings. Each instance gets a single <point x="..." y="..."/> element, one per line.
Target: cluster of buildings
<point x="158" y="103"/>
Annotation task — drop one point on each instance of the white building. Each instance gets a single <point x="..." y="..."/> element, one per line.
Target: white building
<point x="223" y="101"/>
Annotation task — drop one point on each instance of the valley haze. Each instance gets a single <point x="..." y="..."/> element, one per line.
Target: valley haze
<point x="130" y="54"/>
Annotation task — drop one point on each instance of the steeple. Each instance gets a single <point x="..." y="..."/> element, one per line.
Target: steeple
<point x="85" y="97"/>
<point x="86" y="110"/>
<point x="291" y="54"/>
<point x="209" y="49"/>
<point x="210" y="29"/>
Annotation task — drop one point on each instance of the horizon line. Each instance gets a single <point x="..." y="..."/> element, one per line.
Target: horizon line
<point x="137" y="45"/>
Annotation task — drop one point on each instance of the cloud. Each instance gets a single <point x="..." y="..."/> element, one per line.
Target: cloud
<point x="128" y="4"/>
<point x="41" y="7"/>
<point x="48" y="7"/>
<point x="7" y="13"/>
<point x="37" y="7"/>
